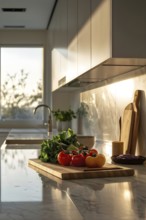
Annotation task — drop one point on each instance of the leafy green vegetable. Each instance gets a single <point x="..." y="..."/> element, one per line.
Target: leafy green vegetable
<point x="51" y="147"/>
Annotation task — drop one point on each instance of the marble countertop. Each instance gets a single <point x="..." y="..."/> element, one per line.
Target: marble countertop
<point x="27" y="194"/>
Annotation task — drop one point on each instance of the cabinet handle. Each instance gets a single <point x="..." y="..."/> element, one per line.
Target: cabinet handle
<point x="62" y="81"/>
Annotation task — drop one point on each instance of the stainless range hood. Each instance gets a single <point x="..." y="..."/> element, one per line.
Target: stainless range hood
<point x="119" y="45"/>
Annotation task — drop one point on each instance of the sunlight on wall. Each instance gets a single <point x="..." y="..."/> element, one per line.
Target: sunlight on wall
<point x="94" y="99"/>
<point x="103" y="97"/>
<point x="107" y="151"/>
<point x="123" y="89"/>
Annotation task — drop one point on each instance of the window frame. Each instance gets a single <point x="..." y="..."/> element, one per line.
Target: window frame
<point x="34" y="123"/>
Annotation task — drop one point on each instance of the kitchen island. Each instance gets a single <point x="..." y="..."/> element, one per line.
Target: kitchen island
<point x="27" y="194"/>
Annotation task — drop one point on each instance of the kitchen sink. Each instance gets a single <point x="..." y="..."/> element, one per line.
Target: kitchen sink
<point x="36" y="136"/>
<point x="27" y="136"/>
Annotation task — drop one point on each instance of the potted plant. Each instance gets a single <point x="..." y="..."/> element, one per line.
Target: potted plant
<point x="63" y="117"/>
<point x="81" y="112"/>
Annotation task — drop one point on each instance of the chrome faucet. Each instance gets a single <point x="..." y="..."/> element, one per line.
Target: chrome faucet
<point x="49" y="119"/>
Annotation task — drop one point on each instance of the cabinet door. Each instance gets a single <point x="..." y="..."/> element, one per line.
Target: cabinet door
<point x="55" y="54"/>
<point x="59" y="48"/>
<point x="100" y="31"/>
<point x="62" y="34"/>
<point x="84" y="34"/>
<point x="72" y="40"/>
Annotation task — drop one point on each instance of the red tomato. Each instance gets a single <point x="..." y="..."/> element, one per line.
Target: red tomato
<point x="93" y="152"/>
<point x="64" y="158"/>
<point x="78" y="160"/>
<point x="85" y="154"/>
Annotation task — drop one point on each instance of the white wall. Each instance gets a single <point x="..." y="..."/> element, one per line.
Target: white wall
<point x="22" y="37"/>
<point x="107" y="102"/>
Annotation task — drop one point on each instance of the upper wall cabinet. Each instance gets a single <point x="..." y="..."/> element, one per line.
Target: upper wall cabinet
<point x="117" y="40"/>
<point x="58" y="46"/>
<point x="79" y="38"/>
<point x="53" y="49"/>
<point x="62" y="35"/>
<point x="101" y="39"/>
<point x="72" y="40"/>
<point x="100" y="31"/>
<point x="84" y="36"/>
<point x="117" y="31"/>
<point x="128" y="32"/>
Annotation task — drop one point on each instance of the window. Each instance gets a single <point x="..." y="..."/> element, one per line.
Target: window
<point x="21" y="82"/>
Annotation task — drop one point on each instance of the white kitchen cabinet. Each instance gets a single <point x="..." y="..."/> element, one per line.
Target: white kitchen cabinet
<point x="72" y="40"/>
<point x="62" y="34"/>
<point x="117" y="40"/>
<point x="54" y="47"/>
<point x="58" y="31"/>
<point x="97" y="40"/>
<point x="128" y="32"/>
<point x="71" y="47"/>
<point x="117" y="33"/>
<point x="84" y="36"/>
<point x="100" y="31"/>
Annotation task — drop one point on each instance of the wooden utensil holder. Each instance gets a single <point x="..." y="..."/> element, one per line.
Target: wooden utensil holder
<point x="117" y="147"/>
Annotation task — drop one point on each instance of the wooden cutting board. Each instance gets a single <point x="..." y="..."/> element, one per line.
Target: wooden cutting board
<point x="130" y="124"/>
<point x="69" y="172"/>
<point x="126" y="127"/>
<point x="136" y="103"/>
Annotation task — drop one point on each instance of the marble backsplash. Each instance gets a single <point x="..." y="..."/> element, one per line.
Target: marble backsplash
<point x="106" y="105"/>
